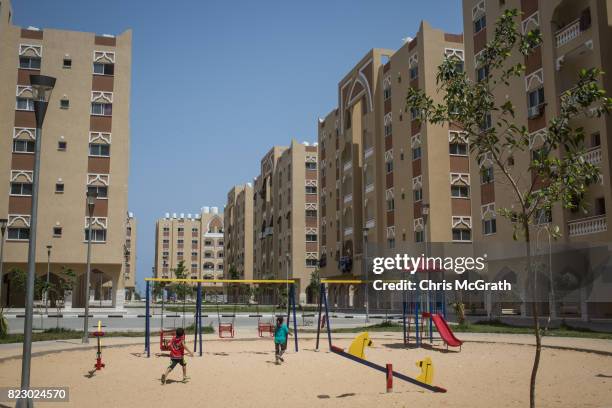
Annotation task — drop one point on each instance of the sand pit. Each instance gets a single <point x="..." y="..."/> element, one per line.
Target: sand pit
<point x="242" y="373"/>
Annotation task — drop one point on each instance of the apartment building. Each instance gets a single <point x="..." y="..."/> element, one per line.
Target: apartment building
<point x="194" y="239"/>
<point x="575" y="35"/>
<point x="285" y="203"/>
<point x="238" y="232"/>
<point x="85" y="147"/>
<point x="380" y="166"/>
<point x="129" y="266"/>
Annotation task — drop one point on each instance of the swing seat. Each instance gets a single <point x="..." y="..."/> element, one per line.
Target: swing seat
<point x="226" y="328"/>
<point x="265" y="328"/>
<point x="165" y="337"/>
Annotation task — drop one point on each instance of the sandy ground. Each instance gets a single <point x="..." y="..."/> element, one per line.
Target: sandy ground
<point x="243" y="374"/>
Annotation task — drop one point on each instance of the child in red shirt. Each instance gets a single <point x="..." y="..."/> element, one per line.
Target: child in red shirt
<point x="177" y="354"/>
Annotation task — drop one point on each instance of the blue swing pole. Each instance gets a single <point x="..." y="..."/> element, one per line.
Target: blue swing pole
<point x="195" y="319"/>
<point x="295" y="330"/>
<point x="200" y="315"/>
<point x="147" y="321"/>
<point x="321" y="289"/>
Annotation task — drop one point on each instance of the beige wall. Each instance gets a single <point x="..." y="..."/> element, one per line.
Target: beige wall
<point x="238" y="235"/>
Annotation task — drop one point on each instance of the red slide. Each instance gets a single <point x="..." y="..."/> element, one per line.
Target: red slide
<point x="445" y="332"/>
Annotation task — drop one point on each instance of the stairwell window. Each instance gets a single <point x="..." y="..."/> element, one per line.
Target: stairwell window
<point x="101" y="191"/>
<point x="311" y="189"/>
<point x="29" y="62"/>
<point x="311" y="237"/>
<point x="489" y="226"/>
<point x="23" y="146"/>
<point x="101" y="109"/>
<point x="103" y="69"/>
<point x="97" y="235"/>
<point x="24" y="104"/>
<point x="462" y="234"/>
<point x="458" y="149"/>
<point x="21" y="189"/>
<point x="460" y="191"/>
<point x="487" y="175"/>
<point x="535" y="103"/>
<point x="414" y="72"/>
<point x="99" y="150"/>
<point x="416" y="153"/>
<point x="480" y="24"/>
<point x="18" y="234"/>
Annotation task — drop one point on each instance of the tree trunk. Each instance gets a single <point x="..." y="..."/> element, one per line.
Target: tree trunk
<point x="536" y="320"/>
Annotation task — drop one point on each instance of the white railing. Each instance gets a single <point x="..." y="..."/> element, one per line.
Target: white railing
<point x="348" y="198"/>
<point x="348" y="231"/>
<point x="586" y="226"/>
<point x="369" y="151"/>
<point x="593" y="155"/>
<point x="369" y="188"/>
<point x="567" y="33"/>
<point x="371" y="223"/>
<point x="348" y="165"/>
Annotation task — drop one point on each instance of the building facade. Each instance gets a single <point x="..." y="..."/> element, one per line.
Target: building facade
<point x="379" y="166"/>
<point x="285" y="202"/>
<point x="238" y="232"/>
<point x="129" y="274"/>
<point x="575" y="35"/>
<point x="194" y="239"/>
<point x="85" y="147"/>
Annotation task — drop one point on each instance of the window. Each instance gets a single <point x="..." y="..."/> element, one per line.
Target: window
<point x="180" y="229"/>
<point x="220" y="254"/>
<point x="194" y="242"/>
<point x="390" y="204"/>
<point x="419" y="236"/>
<point x="311" y="189"/>
<point x="97" y="235"/>
<point x="207" y="243"/>
<point x="462" y="234"/>
<point x="166" y="229"/>
<point x="101" y="109"/>
<point x="489" y="226"/>
<point x="29" y="62"/>
<point x="536" y="97"/>
<point x="414" y="72"/>
<point x="391" y="243"/>
<point x="61" y="145"/>
<point x="458" y="149"/>
<point x="595" y="139"/>
<point x="21" y="234"/>
<point x="416" y="153"/>
<point x="538" y="155"/>
<point x="387" y="91"/>
<point x="389" y="166"/>
<point x="101" y="191"/>
<point x="418" y="194"/>
<point x="59" y="188"/>
<point x="23" y="146"/>
<point x="21" y="189"/>
<point x="103" y="69"/>
<point x="25" y="104"/>
<point x="102" y="150"/>
<point x="459" y="66"/>
<point x="311" y="166"/>
<point x="543" y="216"/>
<point x="600" y="206"/>
<point x="67" y="63"/>
<point x="414" y="113"/>
<point x="312" y="263"/>
<point x="220" y="243"/>
<point x="388" y="129"/>
<point x="57" y="232"/>
<point x="64" y="103"/>
<point x="208" y="255"/>
<point x="487" y="175"/>
<point x="311" y="213"/>
<point x="180" y="241"/>
<point x="311" y="237"/>
<point x="486" y="122"/>
<point x="166" y="241"/>
<point x="480" y="24"/>
<point x="460" y="191"/>
<point x="482" y="73"/>
<point x="179" y="254"/>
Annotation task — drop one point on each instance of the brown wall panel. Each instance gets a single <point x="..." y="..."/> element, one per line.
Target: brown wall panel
<point x="415" y="127"/>
<point x="390" y="218"/>
<point x="22" y="161"/>
<point x="533" y="62"/>
<point x="312" y="247"/>
<point x="416" y="167"/>
<point x="311" y="174"/>
<point x="311" y="222"/>
<point x="487" y="193"/>
<point x="98" y="165"/>
<point x="387" y="105"/>
<point x="102" y="83"/>
<point x="528" y="7"/>
<point x="101" y="208"/>
<point x="25" y="119"/>
<point x="458" y="38"/>
<point x="109" y="41"/>
<point x="417" y="210"/>
<point x="23" y="76"/>
<point x="389" y="180"/>
<point x="536" y="123"/>
<point x="33" y="34"/>
<point x="100" y="123"/>
<point x="480" y="40"/>
<point x="388" y="142"/>
<point x="311" y="198"/>
<point x="459" y="164"/>
<point x="20" y="205"/>
<point x="461" y="206"/>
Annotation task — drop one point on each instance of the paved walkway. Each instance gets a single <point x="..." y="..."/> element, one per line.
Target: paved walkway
<point x="599" y="346"/>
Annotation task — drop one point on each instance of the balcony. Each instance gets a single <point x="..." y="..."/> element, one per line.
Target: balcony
<point x="369" y="188"/>
<point x="587" y="226"/>
<point x="568" y="33"/>
<point x="368" y="152"/>
<point x="593" y="155"/>
<point x="348" y="198"/>
<point x="347" y="166"/>
<point x="371" y="223"/>
<point x="348" y="231"/>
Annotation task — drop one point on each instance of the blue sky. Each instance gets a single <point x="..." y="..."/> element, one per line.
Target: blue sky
<point x="216" y="83"/>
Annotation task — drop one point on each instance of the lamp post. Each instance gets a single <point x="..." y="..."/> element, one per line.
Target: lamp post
<point x="48" y="272"/>
<point x="288" y="260"/>
<point x="91" y="203"/>
<point x="3" y="223"/>
<point x="42" y="86"/>
<point x="365" y="267"/>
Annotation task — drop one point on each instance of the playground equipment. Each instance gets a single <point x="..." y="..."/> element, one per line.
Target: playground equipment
<point x="356" y="351"/>
<point x="267" y="327"/>
<point x="166" y="335"/>
<point x="98" y="334"/>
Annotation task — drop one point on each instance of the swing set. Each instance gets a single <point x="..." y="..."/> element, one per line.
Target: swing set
<point x="228" y="327"/>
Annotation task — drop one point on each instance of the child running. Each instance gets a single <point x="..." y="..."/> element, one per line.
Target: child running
<point x="177" y="355"/>
<point x="281" y="331"/>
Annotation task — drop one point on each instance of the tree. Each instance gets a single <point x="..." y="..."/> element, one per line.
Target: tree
<point x="315" y="284"/>
<point x="557" y="173"/>
<point x="57" y="291"/>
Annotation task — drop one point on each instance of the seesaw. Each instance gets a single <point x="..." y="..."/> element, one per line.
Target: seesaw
<point x="356" y="353"/>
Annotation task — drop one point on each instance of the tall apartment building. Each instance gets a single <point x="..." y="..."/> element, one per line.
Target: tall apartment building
<point x="194" y="239"/>
<point x="85" y="147"/>
<point x="575" y="35"/>
<point x="238" y="232"/>
<point x="285" y="202"/>
<point x="379" y="165"/>
<point x="129" y="266"/>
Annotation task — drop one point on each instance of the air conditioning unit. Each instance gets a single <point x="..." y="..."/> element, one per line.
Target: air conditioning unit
<point x="535" y="111"/>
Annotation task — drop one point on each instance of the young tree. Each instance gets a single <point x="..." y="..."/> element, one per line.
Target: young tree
<point x="58" y="290"/>
<point x="315" y="284"/>
<point x="557" y="173"/>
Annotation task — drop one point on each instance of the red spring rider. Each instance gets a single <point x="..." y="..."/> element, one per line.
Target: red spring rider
<point x="99" y="334"/>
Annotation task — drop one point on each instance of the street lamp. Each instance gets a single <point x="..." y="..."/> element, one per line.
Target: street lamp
<point x="48" y="272"/>
<point x="3" y="223"/>
<point x="91" y="203"/>
<point x="365" y="266"/>
<point x="42" y="86"/>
